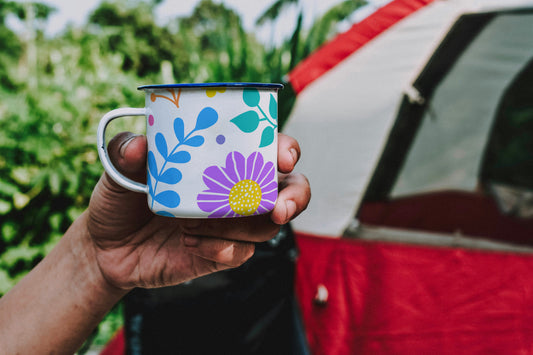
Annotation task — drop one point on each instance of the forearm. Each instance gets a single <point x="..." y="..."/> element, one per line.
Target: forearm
<point x="57" y="305"/>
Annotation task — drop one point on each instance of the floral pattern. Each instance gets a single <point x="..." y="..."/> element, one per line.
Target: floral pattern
<point x="243" y="187"/>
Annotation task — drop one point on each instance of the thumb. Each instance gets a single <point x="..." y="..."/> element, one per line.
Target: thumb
<point x="127" y="152"/>
<point x="114" y="209"/>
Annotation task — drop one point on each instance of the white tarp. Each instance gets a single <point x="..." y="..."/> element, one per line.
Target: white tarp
<point x="342" y="119"/>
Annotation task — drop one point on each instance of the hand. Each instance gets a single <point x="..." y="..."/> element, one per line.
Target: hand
<point x="135" y="248"/>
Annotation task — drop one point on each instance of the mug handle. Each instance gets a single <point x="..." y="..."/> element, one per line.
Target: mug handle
<point x="102" y="149"/>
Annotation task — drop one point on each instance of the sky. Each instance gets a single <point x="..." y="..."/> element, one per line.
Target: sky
<point x="73" y="11"/>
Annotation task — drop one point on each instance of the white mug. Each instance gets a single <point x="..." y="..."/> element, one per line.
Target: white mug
<point x="212" y="149"/>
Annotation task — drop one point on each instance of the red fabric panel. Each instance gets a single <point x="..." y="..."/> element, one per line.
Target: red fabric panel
<point x="331" y="54"/>
<point x="387" y="298"/>
<point x="116" y="345"/>
<point x="449" y="212"/>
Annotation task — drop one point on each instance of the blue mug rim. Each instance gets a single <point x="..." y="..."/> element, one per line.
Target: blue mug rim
<point x="214" y="85"/>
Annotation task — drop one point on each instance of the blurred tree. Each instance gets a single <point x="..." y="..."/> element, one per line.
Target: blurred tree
<point x="129" y="28"/>
<point x="10" y="45"/>
<point x="285" y="57"/>
<point x="219" y="47"/>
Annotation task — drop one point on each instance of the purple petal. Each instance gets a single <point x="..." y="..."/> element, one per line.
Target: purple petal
<point x="215" y="173"/>
<point x="264" y="208"/>
<point x="267" y="174"/>
<point x="240" y="165"/>
<point x="259" y="162"/>
<point x="272" y="186"/>
<point x="210" y="206"/>
<point x="222" y="211"/>
<point x="251" y="163"/>
<point x="214" y="186"/>
<point x="272" y="196"/>
<point x="231" y="170"/>
<point x="212" y="197"/>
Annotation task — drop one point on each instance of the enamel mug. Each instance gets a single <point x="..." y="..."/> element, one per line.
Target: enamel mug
<point x="212" y="149"/>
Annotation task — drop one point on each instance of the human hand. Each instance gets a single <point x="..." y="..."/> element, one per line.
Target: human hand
<point x="135" y="248"/>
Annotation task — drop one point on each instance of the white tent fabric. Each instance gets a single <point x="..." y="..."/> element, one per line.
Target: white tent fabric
<point x="342" y="119"/>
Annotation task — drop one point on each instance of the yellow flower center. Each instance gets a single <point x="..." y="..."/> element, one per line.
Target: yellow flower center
<point x="245" y="197"/>
<point x="213" y="92"/>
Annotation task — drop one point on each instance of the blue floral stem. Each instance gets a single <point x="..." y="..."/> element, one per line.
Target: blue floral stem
<point x="166" y="161"/>
<point x="266" y="118"/>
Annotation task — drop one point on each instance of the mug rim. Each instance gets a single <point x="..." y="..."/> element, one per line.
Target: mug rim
<point x="213" y="85"/>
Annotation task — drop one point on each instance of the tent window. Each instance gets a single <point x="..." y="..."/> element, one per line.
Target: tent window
<point x="449" y="148"/>
<point x="509" y="156"/>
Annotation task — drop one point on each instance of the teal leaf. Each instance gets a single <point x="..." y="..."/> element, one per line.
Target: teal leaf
<point x="168" y="198"/>
<point x="267" y="137"/>
<point x="161" y="144"/>
<point x="180" y="157"/>
<point x="251" y="97"/>
<point x="273" y="107"/>
<point x="247" y="121"/>
<point x="179" y="129"/>
<point x="152" y="165"/>
<point x="171" y="176"/>
<point x="164" y="214"/>
<point x="195" y="141"/>
<point x="206" y="118"/>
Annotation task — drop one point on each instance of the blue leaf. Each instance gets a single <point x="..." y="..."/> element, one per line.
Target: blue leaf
<point x="179" y="129"/>
<point x="161" y="144"/>
<point x="168" y="198"/>
<point x="152" y="165"/>
<point x="251" y="97"/>
<point x="206" y="118"/>
<point x="273" y="107"/>
<point x="180" y="157"/>
<point x="195" y="141"/>
<point x="149" y="183"/>
<point x="171" y="176"/>
<point x="164" y="214"/>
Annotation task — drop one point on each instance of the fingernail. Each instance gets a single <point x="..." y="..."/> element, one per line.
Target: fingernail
<point x="294" y="154"/>
<point x="124" y="145"/>
<point x="291" y="209"/>
<point x="190" y="241"/>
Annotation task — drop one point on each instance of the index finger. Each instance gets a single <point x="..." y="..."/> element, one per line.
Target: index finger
<point x="288" y="153"/>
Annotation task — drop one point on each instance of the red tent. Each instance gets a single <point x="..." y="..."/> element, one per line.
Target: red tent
<point x="415" y="126"/>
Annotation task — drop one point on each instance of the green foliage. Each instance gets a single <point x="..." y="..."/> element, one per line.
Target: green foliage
<point x="55" y="90"/>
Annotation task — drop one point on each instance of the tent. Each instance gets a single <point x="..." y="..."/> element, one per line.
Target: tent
<point x="416" y="128"/>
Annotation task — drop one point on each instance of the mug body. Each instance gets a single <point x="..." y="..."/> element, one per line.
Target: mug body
<point x="212" y="149"/>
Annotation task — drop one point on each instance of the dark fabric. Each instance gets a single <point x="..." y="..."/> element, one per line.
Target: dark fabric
<point x="249" y="310"/>
<point x="450" y="212"/>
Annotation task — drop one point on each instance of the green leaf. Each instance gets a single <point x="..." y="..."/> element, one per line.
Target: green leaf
<point x="267" y="137"/>
<point x="7" y="188"/>
<point x="247" y="121"/>
<point x="5" y="207"/>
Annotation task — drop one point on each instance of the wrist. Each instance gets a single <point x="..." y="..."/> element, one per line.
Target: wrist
<point x="101" y="293"/>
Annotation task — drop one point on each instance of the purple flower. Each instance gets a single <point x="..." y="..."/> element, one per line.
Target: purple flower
<point x="244" y="187"/>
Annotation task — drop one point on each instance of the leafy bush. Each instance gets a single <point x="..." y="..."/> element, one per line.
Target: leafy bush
<point x="55" y="90"/>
